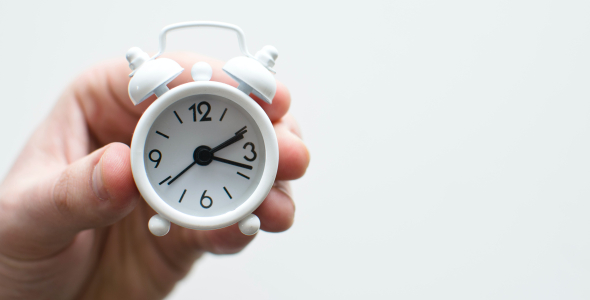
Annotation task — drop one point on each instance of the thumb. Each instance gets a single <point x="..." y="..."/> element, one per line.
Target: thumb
<point x="95" y="191"/>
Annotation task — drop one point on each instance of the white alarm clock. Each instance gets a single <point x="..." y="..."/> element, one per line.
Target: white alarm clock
<point x="204" y="155"/>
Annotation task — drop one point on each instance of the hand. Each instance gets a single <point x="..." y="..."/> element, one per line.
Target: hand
<point x="72" y="223"/>
<point x="180" y="174"/>
<point x="231" y="162"/>
<point x="239" y="135"/>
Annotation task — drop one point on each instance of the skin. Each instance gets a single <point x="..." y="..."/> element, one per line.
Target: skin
<point x="72" y="222"/>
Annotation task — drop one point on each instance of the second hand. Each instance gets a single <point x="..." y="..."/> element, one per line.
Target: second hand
<point x="238" y="136"/>
<point x="186" y="169"/>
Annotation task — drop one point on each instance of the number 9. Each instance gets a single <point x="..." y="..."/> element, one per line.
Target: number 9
<point x="157" y="161"/>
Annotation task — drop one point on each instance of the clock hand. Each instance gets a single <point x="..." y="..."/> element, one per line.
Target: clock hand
<point x="239" y="135"/>
<point x="223" y="160"/>
<point x="186" y="169"/>
<point x="209" y="156"/>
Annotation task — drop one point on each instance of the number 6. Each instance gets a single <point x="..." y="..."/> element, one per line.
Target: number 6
<point x="210" y="200"/>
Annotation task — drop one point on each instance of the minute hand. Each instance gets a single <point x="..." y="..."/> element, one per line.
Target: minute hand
<point x="239" y="135"/>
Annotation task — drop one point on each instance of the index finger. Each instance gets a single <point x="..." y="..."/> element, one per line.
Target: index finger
<point x="101" y="93"/>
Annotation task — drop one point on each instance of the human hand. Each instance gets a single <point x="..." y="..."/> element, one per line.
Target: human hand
<point x="72" y="223"/>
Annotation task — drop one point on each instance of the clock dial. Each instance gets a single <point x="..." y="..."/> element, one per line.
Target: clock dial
<point x="204" y="155"/>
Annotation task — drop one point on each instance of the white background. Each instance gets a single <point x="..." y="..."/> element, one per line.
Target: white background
<point x="450" y="140"/>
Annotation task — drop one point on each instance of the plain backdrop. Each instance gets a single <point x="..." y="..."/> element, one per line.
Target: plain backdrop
<point x="450" y="140"/>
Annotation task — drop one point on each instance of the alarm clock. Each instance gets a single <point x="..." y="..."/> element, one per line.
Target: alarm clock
<point x="204" y="155"/>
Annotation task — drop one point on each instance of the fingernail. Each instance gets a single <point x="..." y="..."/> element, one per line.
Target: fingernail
<point x="97" y="182"/>
<point x="285" y="188"/>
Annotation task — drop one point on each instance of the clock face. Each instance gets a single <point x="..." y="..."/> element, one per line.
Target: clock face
<point x="204" y="155"/>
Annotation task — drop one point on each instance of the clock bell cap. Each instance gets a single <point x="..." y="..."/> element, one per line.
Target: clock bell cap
<point x="252" y="72"/>
<point x="150" y="76"/>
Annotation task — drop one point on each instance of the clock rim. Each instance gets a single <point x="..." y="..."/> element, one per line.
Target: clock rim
<point x="138" y="164"/>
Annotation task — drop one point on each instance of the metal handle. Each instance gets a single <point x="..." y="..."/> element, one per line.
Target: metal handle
<point x="238" y="30"/>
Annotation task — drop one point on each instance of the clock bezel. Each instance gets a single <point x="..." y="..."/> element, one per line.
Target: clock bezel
<point x="268" y="136"/>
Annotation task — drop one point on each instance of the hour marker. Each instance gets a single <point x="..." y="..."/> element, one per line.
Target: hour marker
<point x="179" y="120"/>
<point x="223" y="115"/>
<point x="243" y="175"/>
<point x="162" y="134"/>
<point x="165" y="180"/>
<point x="182" y="196"/>
<point x="227" y="192"/>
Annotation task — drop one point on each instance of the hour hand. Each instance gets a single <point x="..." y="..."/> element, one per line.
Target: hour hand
<point x="231" y="162"/>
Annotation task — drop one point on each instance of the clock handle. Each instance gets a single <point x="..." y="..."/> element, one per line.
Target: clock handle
<point x="238" y="30"/>
<point x="249" y="225"/>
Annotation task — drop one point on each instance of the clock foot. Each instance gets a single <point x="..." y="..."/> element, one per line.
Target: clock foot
<point x="159" y="226"/>
<point x="249" y="225"/>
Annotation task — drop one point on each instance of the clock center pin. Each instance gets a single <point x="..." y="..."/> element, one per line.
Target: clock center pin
<point x="203" y="156"/>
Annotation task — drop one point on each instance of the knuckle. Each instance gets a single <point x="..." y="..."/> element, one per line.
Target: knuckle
<point x="62" y="195"/>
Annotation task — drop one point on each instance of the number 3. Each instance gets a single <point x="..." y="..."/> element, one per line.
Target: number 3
<point x="253" y="152"/>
